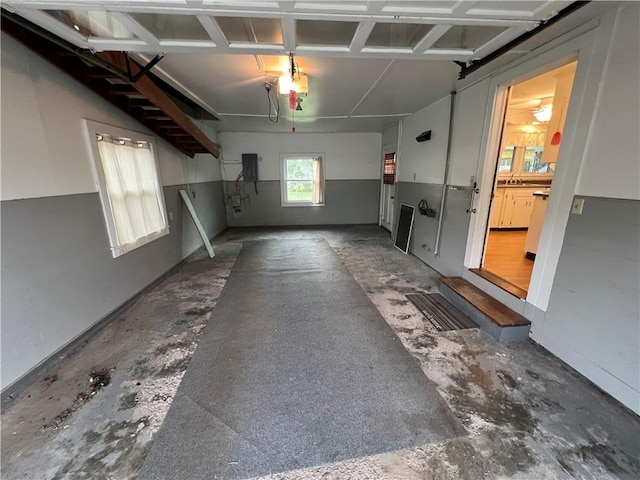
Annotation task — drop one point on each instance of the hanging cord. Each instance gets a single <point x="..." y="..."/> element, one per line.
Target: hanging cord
<point x="274" y="105"/>
<point x="237" y="190"/>
<point x="186" y="173"/>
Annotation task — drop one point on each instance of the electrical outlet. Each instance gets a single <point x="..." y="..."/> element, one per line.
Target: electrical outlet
<point x="577" y="206"/>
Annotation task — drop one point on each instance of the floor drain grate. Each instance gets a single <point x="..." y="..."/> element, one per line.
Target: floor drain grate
<point x="442" y="314"/>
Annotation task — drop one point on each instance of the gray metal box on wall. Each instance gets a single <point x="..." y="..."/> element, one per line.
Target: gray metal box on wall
<point x="250" y="167"/>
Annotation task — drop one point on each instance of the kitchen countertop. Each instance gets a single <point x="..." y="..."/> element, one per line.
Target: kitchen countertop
<point x="541" y="193"/>
<point x="522" y="185"/>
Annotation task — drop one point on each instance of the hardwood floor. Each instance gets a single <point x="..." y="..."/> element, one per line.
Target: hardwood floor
<point x="505" y="257"/>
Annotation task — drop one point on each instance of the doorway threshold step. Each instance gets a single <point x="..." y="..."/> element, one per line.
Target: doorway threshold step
<point x="493" y="317"/>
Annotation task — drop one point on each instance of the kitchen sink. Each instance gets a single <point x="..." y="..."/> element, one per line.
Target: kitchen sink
<point x="524" y="185"/>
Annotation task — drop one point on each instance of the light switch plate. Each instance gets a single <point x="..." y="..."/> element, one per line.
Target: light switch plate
<point x="577" y="206"/>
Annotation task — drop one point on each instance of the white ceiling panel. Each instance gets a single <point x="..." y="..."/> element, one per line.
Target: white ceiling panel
<point x="262" y="124"/>
<point x="337" y="84"/>
<point x="252" y="30"/>
<point x="180" y="27"/>
<point x="409" y="86"/>
<point x="92" y="23"/>
<point x="320" y="32"/>
<point x="368" y="62"/>
<point x="228" y="84"/>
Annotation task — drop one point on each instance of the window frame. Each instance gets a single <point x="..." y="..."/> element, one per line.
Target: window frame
<point x="92" y="129"/>
<point x="283" y="177"/>
<point x="518" y="161"/>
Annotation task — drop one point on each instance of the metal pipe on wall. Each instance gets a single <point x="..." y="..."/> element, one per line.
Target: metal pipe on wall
<point x="436" y="249"/>
<point x="395" y="186"/>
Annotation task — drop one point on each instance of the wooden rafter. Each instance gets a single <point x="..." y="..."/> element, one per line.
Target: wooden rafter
<point x="104" y="73"/>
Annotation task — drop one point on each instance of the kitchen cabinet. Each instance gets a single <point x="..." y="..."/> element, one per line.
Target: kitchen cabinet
<point x="496" y="207"/>
<point x="522" y="208"/>
<point x="512" y="207"/>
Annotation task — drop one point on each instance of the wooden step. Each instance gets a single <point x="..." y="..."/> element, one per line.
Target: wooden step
<point x="496" y="319"/>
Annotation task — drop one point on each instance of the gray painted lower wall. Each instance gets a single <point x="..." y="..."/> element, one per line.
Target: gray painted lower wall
<point x="346" y="202"/>
<point x="59" y="278"/>
<point x="453" y="238"/>
<point x="593" y="317"/>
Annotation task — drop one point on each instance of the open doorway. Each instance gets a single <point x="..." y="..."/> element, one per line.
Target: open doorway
<point x="388" y="189"/>
<point x="531" y="134"/>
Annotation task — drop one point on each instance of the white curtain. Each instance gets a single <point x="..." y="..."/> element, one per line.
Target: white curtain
<point x="318" y="181"/>
<point x="132" y="189"/>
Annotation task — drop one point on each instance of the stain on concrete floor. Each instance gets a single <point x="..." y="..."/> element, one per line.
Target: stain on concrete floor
<point x="528" y="415"/>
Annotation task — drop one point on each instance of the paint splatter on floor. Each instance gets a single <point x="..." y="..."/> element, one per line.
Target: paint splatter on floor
<point x="527" y="414"/>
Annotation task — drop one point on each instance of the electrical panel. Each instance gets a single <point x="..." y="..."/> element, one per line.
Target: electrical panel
<point x="250" y="167"/>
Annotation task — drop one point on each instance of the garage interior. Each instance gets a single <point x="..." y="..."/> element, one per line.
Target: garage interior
<point x="249" y="313"/>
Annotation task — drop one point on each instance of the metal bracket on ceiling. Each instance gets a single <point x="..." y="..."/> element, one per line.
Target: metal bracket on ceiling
<point x="468" y="68"/>
<point x="144" y="70"/>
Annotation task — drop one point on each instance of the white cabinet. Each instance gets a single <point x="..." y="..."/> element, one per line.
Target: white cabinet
<point x="496" y="207"/>
<point x="512" y="207"/>
<point x="522" y="208"/>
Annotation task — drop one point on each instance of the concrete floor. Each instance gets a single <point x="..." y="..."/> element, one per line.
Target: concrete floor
<point x="527" y="414"/>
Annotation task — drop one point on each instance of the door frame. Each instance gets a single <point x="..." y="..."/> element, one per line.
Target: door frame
<point x="384" y="151"/>
<point x="588" y="45"/>
<point x="388" y="148"/>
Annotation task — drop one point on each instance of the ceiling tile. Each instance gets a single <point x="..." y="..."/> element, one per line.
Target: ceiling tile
<point x="499" y="9"/>
<point x="252" y="30"/>
<point x="318" y="126"/>
<point x="419" y="6"/>
<point x="317" y="32"/>
<point x="92" y="23"/>
<point x="408" y="86"/>
<point x="336" y="85"/>
<point x="182" y="27"/>
<point x="397" y="34"/>
<point x="467" y="37"/>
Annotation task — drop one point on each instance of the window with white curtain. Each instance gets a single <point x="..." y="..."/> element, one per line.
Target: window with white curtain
<point x="126" y="173"/>
<point x="302" y="180"/>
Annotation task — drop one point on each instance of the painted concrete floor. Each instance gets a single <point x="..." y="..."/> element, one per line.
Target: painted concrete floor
<point x="528" y="415"/>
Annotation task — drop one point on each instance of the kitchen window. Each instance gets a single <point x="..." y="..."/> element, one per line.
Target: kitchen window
<point x="506" y="160"/>
<point x="517" y="160"/>
<point x="302" y="180"/>
<point x="126" y="173"/>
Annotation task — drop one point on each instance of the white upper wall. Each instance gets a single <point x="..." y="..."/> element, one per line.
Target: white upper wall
<point x="424" y="162"/>
<point x="43" y="139"/>
<point x="611" y="165"/>
<point x="347" y="155"/>
<point x="468" y="126"/>
<point x="390" y="137"/>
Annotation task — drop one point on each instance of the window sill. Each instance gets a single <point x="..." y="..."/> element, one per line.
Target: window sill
<point x="302" y="204"/>
<point x="119" y="250"/>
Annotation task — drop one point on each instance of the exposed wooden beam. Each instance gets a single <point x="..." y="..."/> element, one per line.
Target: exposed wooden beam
<point x="151" y="91"/>
<point x="143" y="100"/>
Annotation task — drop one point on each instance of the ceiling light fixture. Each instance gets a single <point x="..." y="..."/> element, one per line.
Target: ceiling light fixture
<point x="299" y="84"/>
<point x="293" y="81"/>
<point x="543" y="114"/>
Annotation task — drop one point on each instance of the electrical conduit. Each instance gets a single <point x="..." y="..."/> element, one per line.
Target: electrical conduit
<point x="436" y="249"/>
